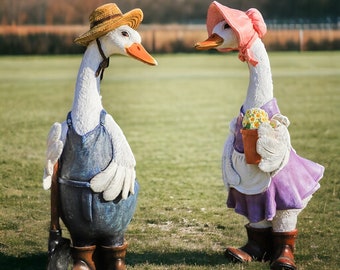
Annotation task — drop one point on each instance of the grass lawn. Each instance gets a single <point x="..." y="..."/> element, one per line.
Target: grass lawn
<point x="175" y="117"/>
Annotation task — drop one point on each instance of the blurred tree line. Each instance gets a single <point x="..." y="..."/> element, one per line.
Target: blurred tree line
<point x="160" y="12"/>
<point x="76" y="12"/>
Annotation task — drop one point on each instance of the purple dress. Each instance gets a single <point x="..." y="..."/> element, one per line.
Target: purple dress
<point x="288" y="188"/>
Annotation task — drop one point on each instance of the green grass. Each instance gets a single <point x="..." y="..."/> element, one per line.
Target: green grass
<point x="176" y="118"/>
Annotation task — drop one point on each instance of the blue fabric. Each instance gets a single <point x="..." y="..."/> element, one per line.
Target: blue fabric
<point x="88" y="217"/>
<point x="92" y="220"/>
<point x="85" y="156"/>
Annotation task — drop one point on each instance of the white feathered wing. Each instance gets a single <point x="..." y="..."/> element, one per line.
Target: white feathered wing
<point x="55" y="145"/>
<point x="274" y="144"/>
<point x="120" y="174"/>
<point x="229" y="175"/>
<point x="118" y="177"/>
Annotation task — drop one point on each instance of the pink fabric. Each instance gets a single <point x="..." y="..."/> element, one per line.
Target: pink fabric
<point x="248" y="26"/>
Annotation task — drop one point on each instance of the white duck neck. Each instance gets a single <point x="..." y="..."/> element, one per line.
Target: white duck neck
<point x="87" y="103"/>
<point x="260" y="88"/>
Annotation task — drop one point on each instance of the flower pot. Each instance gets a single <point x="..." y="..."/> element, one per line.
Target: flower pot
<point x="249" y="138"/>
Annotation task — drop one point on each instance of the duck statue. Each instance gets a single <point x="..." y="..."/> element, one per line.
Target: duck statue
<point x="272" y="192"/>
<point x="96" y="174"/>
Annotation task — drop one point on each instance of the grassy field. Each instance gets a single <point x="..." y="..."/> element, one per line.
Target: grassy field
<point x="176" y="118"/>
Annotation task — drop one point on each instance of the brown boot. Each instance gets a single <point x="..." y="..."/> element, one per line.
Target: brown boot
<point x="113" y="257"/>
<point x="257" y="248"/>
<point x="83" y="258"/>
<point x="284" y="244"/>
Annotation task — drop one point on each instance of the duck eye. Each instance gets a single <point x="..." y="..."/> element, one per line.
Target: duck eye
<point x="226" y="26"/>
<point x="125" y="34"/>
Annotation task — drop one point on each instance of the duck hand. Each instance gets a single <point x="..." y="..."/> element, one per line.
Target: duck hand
<point x="279" y="119"/>
<point x="115" y="179"/>
<point x="53" y="152"/>
<point x="273" y="146"/>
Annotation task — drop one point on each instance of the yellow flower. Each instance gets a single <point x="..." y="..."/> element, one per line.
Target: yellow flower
<point x="254" y="117"/>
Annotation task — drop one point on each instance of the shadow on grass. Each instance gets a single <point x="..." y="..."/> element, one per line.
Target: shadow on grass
<point x="29" y="262"/>
<point x="186" y="257"/>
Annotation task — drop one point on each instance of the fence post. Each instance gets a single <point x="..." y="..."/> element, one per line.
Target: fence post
<point x="301" y="39"/>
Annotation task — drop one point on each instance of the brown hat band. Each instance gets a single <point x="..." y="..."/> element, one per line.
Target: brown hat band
<point x="95" y="23"/>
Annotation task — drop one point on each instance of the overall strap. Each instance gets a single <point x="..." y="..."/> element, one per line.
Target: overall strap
<point x="102" y="117"/>
<point x="101" y="120"/>
<point x="69" y="120"/>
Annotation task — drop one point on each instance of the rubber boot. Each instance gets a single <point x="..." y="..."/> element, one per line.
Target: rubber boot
<point x="113" y="257"/>
<point x="284" y="245"/>
<point x="257" y="248"/>
<point x="83" y="258"/>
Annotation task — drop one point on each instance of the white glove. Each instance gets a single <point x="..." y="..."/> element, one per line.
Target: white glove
<point x="230" y="176"/>
<point x="273" y="145"/>
<point x="54" y="149"/>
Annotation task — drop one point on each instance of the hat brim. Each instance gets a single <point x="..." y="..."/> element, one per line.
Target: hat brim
<point x="132" y="18"/>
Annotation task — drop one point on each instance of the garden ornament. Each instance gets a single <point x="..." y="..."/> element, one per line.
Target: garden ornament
<point x="271" y="192"/>
<point x="96" y="175"/>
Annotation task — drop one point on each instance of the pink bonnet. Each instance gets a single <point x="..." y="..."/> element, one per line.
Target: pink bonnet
<point x="248" y="26"/>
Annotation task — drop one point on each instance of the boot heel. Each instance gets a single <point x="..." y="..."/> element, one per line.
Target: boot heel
<point x="114" y="257"/>
<point x="83" y="258"/>
<point x="257" y="248"/>
<point x="284" y="244"/>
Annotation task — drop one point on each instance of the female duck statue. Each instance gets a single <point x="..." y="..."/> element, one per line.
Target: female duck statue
<point x="273" y="192"/>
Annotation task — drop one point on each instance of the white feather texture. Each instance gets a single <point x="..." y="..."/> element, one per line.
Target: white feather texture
<point x="273" y="145"/>
<point x="229" y="174"/>
<point x="119" y="176"/>
<point x="260" y="88"/>
<point x="53" y="152"/>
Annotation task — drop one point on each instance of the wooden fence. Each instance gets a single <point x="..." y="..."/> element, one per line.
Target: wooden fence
<point x="174" y="38"/>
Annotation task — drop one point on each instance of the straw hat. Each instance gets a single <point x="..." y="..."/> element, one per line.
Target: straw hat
<point x="247" y="25"/>
<point x="106" y="18"/>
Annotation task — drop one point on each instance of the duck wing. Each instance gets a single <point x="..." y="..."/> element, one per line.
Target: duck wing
<point x="55" y="145"/>
<point x="229" y="174"/>
<point x="120" y="175"/>
<point x="273" y="146"/>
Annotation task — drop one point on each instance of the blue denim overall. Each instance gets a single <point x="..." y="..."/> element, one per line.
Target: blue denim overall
<point x="88" y="217"/>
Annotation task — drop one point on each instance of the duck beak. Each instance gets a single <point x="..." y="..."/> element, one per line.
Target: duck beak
<point x="138" y="52"/>
<point x="212" y="42"/>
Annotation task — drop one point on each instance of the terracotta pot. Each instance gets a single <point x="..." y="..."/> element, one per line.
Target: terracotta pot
<point x="249" y="138"/>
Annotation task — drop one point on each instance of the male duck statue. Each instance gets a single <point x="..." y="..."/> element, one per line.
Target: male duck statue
<point x="273" y="192"/>
<point x="96" y="177"/>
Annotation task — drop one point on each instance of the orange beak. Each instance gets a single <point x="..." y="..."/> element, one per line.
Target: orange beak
<point x="212" y="42"/>
<point x="138" y="52"/>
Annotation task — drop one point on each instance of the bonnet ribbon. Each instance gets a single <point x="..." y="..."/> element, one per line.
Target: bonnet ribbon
<point x="245" y="54"/>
